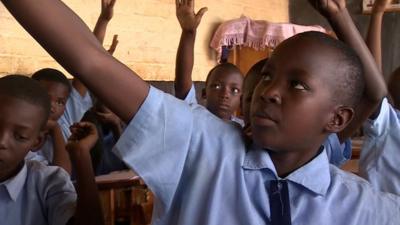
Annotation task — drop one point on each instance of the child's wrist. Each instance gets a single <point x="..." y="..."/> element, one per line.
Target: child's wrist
<point x="103" y="18"/>
<point x="189" y="31"/>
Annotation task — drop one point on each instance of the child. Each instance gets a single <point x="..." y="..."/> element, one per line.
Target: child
<point x="109" y="128"/>
<point x="379" y="158"/>
<point x="58" y="88"/>
<point x="224" y="82"/>
<point x="338" y="153"/>
<point x="30" y="192"/>
<point x="198" y="166"/>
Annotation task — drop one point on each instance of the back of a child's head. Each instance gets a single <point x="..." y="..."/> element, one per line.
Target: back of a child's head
<point x="347" y="82"/>
<point x="52" y="75"/>
<point x="394" y="88"/>
<point x="28" y="90"/>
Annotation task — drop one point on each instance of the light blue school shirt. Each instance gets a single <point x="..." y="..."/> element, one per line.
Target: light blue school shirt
<point x="75" y="108"/>
<point x="380" y="155"/>
<point x="201" y="172"/>
<point x="37" y="195"/>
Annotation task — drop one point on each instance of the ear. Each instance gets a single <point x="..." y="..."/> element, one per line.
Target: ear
<point x="39" y="142"/>
<point x="342" y="116"/>
<point x="203" y="93"/>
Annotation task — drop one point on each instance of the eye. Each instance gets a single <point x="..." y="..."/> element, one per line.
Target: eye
<point x="299" y="85"/>
<point x="20" y="137"/>
<point x="216" y="86"/>
<point x="235" y="91"/>
<point x="60" y="102"/>
<point x="266" y="77"/>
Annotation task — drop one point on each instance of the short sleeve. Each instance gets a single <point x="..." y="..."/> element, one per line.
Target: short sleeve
<point x="57" y="193"/>
<point x="156" y="141"/>
<point x="191" y="96"/>
<point x="378" y="126"/>
<point x="338" y="153"/>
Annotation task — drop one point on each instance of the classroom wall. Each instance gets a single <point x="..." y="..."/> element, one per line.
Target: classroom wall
<point x="301" y="13"/>
<point x="148" y="33"/>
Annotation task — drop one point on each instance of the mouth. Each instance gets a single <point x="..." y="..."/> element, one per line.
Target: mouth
<point x="262" y="118"/>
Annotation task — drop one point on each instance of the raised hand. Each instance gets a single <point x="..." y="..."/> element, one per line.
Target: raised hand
<point x="380" y="5"/>
<point x="328" y="7"/>
<point x="107" y="9"/>
<point x="114" y="44"/>
<point x="83" y="138"/>
<point x="188" y="19"/>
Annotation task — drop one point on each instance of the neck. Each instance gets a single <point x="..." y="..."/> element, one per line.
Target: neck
<point x="12" y="173"/>
<point x="287" y="162"/>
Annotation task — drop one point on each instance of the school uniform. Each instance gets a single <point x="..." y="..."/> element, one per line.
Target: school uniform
<point x="37" y="195"/>
<point x="75" y="108"/>
<point x="380" y="154"/>
<point x="191" y="99"/>
<point x="201" y="172"/>
<point x="338" y="153"/>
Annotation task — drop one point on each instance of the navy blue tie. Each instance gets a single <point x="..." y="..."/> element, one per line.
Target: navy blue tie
<point x="279" y="202"/>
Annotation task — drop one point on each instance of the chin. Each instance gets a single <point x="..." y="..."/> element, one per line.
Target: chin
<point x="263" y="140"/>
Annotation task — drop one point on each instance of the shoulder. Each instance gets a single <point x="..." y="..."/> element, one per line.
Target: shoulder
<point x="47" y="178"/>
<point x="360" y="191"/>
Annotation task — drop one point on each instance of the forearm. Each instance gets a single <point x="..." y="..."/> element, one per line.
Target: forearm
<point x="88" y="209"/>
<point x="375" y="87"/>
<point x="72" y="44"/>
<point x="61" y="157"/>
<point x="100" y="29"/>
<point x="374" y="37"/>
<point x="184" y="64"/>
<point x="117" y="130"/>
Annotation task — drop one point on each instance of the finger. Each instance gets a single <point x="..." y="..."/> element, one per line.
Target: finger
<point x="112" y="3"/>
<point x="190" y="3"/>
<point x="200" y="13"/>
<point x="177" y="3"/>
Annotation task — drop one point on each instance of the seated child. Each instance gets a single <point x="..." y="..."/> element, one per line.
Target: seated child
<point x="57" y="132"/>
<point x="199" y="166"/>
<point x="338" y="153"/>
<point x="223" y="83"/>
<point x="30" y="192"/>
<point x="380" y="154"/>
<point x="109" y="128"/>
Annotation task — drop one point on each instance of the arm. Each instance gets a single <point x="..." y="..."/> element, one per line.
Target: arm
<point x="107" y="12"/>
<point x="374" y="36"/>
<point x="61" y="157"/>
<point x="112" y="120"/>
<point x="51" y="23"/>
<point x="336" y="13"/>
<point x="83" y="138"/>
<point x="189" y="22"/>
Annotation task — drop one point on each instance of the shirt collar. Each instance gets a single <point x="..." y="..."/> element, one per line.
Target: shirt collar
<point x="15" y="184"/>
<point x="315" y="175"/>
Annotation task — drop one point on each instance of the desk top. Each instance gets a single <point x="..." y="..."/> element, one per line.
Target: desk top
<point x="118" y="179"/>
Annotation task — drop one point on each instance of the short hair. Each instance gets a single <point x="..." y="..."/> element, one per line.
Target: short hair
<point x="28" y="90"/>
<point x="348" y="83"/>
<point x="52" y="75"/>
<point x="225" y="66"/>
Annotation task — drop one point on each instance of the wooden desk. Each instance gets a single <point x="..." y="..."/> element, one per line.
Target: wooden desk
<point x="121" y="194"/>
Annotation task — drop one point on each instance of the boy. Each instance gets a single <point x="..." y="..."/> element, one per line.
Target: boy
<point x="379" y="158"/>
<point x="338" y="153"/>
<point x="30" y="192"/>
<point x="58" y="88"/>
<point x="223" y="83"/>
<point x="200" y="171"/>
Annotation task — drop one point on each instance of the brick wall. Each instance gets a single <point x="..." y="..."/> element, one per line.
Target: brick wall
<point x="148" y="33"/>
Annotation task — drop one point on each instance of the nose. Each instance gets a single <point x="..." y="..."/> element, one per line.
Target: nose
<point x="3" y="140"/>
<point x="53" y="107"/>
<point x="224" y="93"/>
<point x="271" y="93"/>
